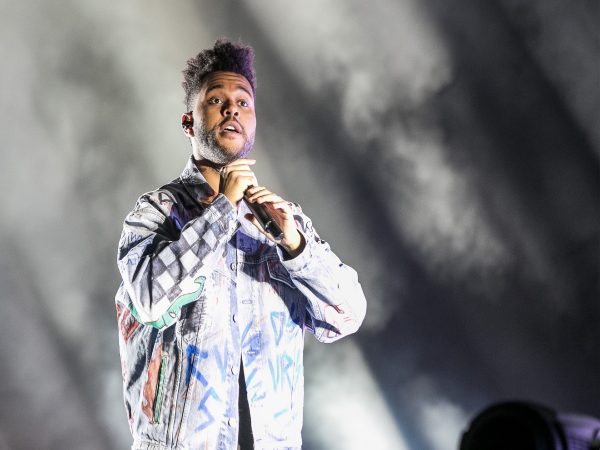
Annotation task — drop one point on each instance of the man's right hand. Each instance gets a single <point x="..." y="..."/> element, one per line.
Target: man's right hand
<point x="236" y="177"/>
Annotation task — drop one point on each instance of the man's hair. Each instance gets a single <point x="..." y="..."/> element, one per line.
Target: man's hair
<point x="224" y="56"/>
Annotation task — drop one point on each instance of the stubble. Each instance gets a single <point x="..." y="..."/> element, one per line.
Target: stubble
<point x="217" y="153"/>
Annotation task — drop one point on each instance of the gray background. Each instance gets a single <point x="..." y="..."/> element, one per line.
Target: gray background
<point x="448" y="150"/>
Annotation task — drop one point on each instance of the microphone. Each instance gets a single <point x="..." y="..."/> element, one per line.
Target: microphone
<point x="264" y="218"/>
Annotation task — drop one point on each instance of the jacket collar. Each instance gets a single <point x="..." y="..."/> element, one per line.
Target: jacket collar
<point x="191" y="174"/>
<point x="195" y="183"/>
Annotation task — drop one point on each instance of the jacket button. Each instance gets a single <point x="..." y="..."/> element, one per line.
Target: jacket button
<point x="232" y="266"/>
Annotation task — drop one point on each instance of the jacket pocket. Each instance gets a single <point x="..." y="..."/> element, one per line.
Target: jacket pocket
<point x="279" y="273"/>
<point x="160" y="388"/>
<point x="187" y="385"/>
<point x="154" y="388"/>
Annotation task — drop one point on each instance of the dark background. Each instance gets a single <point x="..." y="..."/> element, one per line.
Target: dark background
<point x="447" y="150"/>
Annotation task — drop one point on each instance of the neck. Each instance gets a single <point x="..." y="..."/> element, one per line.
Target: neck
<point x="210" y="171"/>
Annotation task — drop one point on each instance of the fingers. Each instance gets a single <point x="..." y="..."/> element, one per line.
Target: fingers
<point x="238" y="163"/>
<point x="239" y="167"/>
<point x="236" y="178"/>
<point x="240" y="174"/>
<point x="282" y="213"/>
<point x="282" y="205"/>
<point x="253" y="189"/>
<point x="260" y="194"/>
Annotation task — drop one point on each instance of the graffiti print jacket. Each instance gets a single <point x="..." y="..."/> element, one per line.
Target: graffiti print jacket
<point x="202" y="290"/>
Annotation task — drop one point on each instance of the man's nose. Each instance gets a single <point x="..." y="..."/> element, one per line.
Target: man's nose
<point x="230" y="109"/>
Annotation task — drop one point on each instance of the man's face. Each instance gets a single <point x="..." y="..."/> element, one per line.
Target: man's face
<point x="224" y="118"/>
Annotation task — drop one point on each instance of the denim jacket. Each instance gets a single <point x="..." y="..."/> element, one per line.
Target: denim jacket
<point x="201" y="291"/>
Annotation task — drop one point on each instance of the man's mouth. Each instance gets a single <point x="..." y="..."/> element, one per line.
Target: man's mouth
<point x="231" y="127"/>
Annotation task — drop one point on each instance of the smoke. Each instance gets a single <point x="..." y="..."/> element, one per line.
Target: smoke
<point x="385" y="88"/>
<point x="441" y="420"/>
<point x="439" y="210"/>
<point x="86" y="127"/>
<point x="392" y="58"/>
<point x="570" y="63"/>
<point x="346" y="408"/>
<point x="465" y="186"/>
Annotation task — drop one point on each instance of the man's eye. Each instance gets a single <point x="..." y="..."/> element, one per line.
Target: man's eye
<point x="214" y="101"/>
<point x="243" y="103"/>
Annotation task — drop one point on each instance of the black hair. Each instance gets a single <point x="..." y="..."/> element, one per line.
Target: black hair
<point x="224" y="56"/>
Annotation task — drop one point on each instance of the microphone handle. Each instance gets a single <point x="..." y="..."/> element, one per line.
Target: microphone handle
<point x="265" y="220"/>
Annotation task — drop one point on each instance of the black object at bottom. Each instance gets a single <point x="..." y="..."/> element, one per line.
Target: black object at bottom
<point x="245" y="438"/>
<point x="519" y="425"/>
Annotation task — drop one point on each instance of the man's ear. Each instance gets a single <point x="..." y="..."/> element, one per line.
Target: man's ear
<point x="187" y="123"/>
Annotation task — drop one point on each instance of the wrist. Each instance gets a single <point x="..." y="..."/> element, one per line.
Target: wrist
<point x="294" y="246"/>
<point x="234" y="202"/>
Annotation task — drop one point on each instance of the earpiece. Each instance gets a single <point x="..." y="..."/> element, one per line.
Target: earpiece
<point x="187" y="120"/>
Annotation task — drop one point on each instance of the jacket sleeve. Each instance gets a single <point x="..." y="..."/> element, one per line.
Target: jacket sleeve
<point x="164" y="268"/>
<point x="336" y="304"/>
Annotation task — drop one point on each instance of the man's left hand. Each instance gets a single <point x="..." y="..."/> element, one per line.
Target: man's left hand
<point x="281" y="211"/>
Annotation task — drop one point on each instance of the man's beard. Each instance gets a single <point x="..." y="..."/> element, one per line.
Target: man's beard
<point x="215" y="152"/>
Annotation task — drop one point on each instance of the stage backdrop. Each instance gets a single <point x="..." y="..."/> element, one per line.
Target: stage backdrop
<point x="447" y="149"/>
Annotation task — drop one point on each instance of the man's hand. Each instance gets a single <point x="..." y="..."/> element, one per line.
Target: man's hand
<point x="236" y="177"/>
<point x="281" y="211"/>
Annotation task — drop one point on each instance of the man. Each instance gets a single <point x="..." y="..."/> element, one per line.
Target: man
<point x="212" y="309"/>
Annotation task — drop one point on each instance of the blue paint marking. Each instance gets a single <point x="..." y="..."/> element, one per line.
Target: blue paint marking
<point x="277" y="322"/>
<point x="286" y="363"/>
<point x="221" y="360"/>
<point x="211" y="393"/>
<point x="255" y="392"/>
<point x="193" y="356"/>
<point x="275" y="375"/>
<point x="252" y="354"/>
<point x="258" y="395"/>
<point x="299" y="365"/>
<point x="252" y="342"/>
<point x="279" y="369"/>
<point x="251" y="376"/>
<point x="279" y="413"/>
<point x="134" y="256"/>
<point x="131" y="238"/>
<point x="245" y="333"/>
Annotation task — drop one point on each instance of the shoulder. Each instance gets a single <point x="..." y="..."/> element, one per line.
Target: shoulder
<point x="161" y="200"/>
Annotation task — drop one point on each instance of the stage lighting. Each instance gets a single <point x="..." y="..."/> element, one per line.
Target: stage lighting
<point x="528" y="426"/>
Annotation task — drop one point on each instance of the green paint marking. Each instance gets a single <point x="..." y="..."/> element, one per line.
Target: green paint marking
<point x="160" y="388"/>
<point x="170" y="316"/>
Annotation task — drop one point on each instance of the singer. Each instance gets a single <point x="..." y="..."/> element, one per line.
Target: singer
<point x="213" y="308"/>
